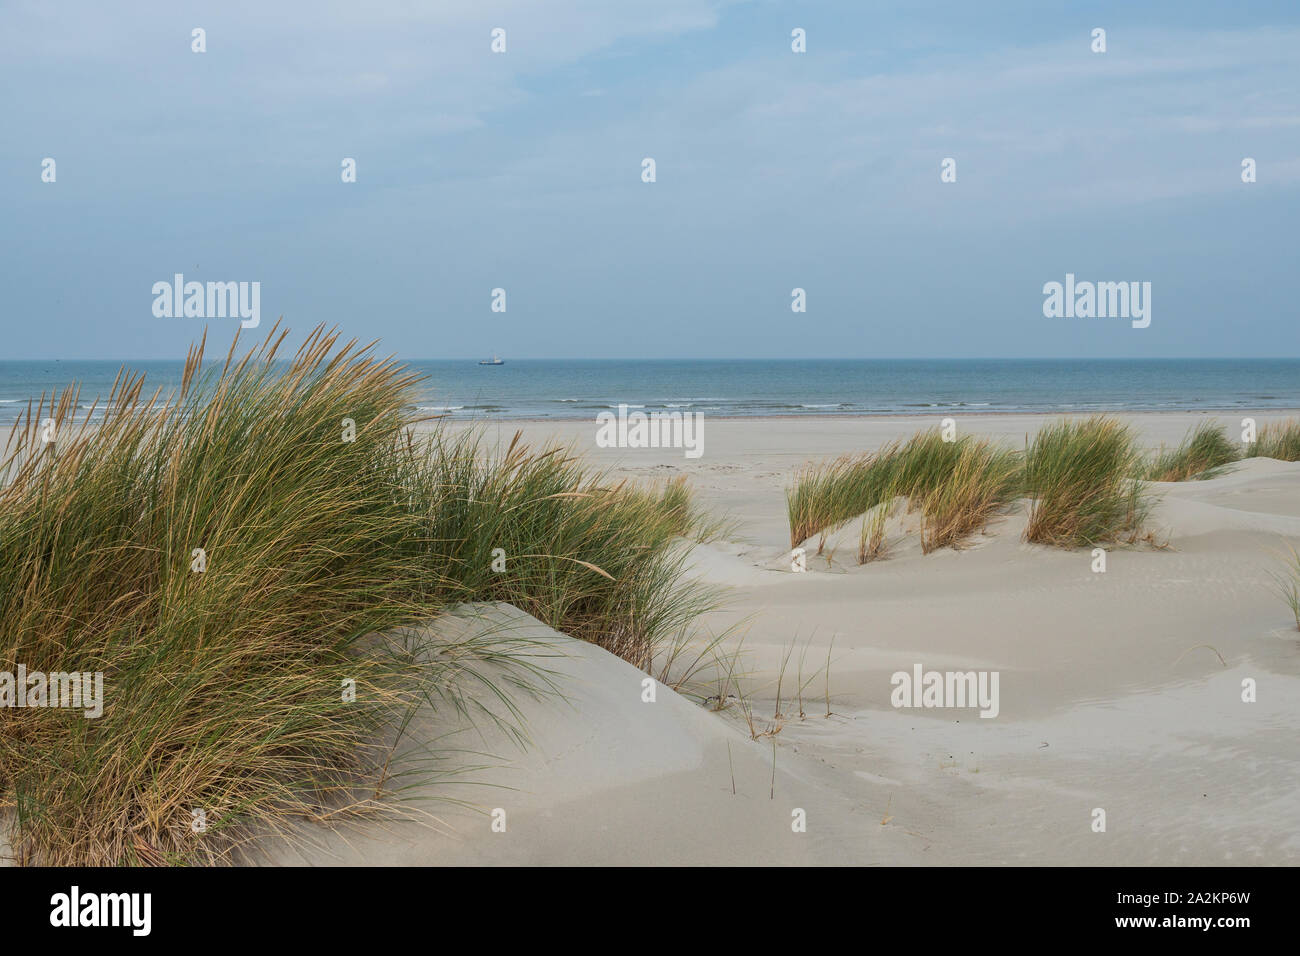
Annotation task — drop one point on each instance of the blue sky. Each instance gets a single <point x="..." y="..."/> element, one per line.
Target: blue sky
<point x="775" y="170"/>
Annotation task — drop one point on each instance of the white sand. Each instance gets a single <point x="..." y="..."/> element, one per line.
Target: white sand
<point x="606" y="778"/>
<point x="1107" y="698"/>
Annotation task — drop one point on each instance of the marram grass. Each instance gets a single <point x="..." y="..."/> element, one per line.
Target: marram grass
<point x="1205" y="453"/>
<point x="1280" y="440"/>
<point x="1287" y="583"/>
<point x="959" y="485"/>
<point x="1081" y="478"/>
<point x="226" y="688"/>
<point x="982" y="480"/>
<point x="595" y="559"/>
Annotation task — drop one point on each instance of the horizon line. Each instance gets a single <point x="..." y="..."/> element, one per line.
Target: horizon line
<point x="810" y="358"/>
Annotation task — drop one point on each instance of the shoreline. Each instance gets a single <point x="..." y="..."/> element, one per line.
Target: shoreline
<point x="889" y="416"/>
<point x="760" y="447"/>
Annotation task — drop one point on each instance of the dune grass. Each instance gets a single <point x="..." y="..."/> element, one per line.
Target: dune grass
<point x="1287" y="582"/>
<point x="541" y="531"/>
<point x="1205" y="453"/>
<point x="826" y="495"/>
<point x="982" y="480"/>
<point x="1079" y="476"/>
<point x="958" y="485"/>
<point x="234" y="562"/>
<point x="872" y="545"/>
<point x="1280" y="440"/>
<point x="924" y="463"/>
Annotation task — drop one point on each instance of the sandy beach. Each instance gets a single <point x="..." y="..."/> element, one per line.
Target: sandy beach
<point x="1120" y="691"/>
<point x="469" y="438"/>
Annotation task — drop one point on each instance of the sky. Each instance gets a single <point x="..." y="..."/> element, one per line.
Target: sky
<point x="774" y="170"/>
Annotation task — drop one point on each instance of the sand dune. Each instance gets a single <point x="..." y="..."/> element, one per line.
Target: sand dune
<point x="605" y="779"/>
<point x="1120" y="691"/>
<point x="1109" y="698"/>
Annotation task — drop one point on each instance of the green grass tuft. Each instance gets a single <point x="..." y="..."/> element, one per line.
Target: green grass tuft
<point x="1280" y="440"/>
<point x="1079" y="476"/>
<point x="958" y="484"/>
<point x="1205" y="453"/>
<point x="224" y="688"/>
<point x="982" y="480"/>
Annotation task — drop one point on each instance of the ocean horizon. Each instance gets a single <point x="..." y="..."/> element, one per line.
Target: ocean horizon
<point x="581" y="388"/>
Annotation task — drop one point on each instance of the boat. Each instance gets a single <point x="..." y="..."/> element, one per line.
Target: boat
<point x="492" y="361"/>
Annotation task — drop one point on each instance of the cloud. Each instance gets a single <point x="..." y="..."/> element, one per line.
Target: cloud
<point x="775" y="169"/>
<point x="1168" y="115"/>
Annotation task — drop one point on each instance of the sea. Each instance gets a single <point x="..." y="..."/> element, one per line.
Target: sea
<point x="579" y="389"/>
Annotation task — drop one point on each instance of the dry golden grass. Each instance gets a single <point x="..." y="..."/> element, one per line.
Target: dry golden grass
<point x="981" y="482"/>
